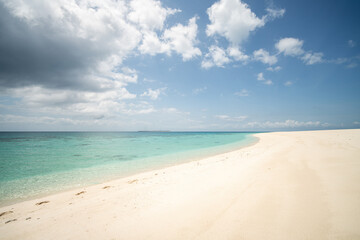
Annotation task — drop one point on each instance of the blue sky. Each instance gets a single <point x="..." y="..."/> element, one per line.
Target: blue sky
<point x="179" y="65"/>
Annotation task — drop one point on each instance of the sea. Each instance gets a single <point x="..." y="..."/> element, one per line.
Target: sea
<point x="34" y="164"/>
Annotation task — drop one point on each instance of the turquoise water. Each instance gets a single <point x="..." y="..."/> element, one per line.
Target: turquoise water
<point x="39" y="163"/>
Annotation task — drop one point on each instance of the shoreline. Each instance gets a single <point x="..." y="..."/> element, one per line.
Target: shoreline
<point x="288" y="185"/>
<point x="129" y="175"/>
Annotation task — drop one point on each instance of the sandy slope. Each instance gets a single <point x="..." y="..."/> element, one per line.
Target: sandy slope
<point x="290" y="185"/>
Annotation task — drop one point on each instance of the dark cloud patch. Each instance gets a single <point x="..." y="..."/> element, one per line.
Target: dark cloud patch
<point x="38" y="55"/>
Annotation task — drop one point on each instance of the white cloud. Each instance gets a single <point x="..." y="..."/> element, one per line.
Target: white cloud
<point x="286" y="124"/>
<point x="274" y="69"/>
<point x="242" y="93"/>
<point x="179" y="38"/>
<point x="290" y="46"/>
<point x="234" y="20"/>
<point x="152" y="45"/>
<point x="294" y="47"/>
<point x="232" y="119"/>
<point x="311" y="58"/>
<point x="219" y="57"/>
<point x="72" y="103"/>
<point x="153" y="94"/>
<point x="149" y="14"/>
<point x="238" y="55"/>
<point x="274" y="13"/>
<point x="182" y="39"/>
<point x="89" y="40"/>
<point x="215" y="57"/>
<point x="264" y="56"/>
<point x="260" y="77"/>
<point x="96" y="21"/>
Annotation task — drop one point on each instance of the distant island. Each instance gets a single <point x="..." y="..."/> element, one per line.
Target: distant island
<point x="156" y="131"/>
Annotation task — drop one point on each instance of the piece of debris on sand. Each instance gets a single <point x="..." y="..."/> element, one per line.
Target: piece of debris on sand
<point x="79" y="193"/>
<point x="41" y="203"/>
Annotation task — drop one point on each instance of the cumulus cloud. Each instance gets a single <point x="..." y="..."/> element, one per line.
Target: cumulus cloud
<point x="290" y="46"/>
<point x="218" y="56"/>
<point x="236" y="54"/>
<point x="82" y="44"/>
<point x="215" y="57"/>
<point x="294" y="47"/>
<point x="260" y="77"/>
<point x="63" y="44"/>
<point x="182" y="39"/>
<point x="66" y="57"/>
<point x="149" y="14"/>
<point x="264" y="57"/>
<point x="152" y="45"/>
<point x="234" y="20"/>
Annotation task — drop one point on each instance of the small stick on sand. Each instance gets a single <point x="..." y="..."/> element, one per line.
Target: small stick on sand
<point x="133" y="181"/>
<point x="43" y="202"/>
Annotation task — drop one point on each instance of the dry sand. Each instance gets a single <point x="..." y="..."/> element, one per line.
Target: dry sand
<point x="290" y="185"/>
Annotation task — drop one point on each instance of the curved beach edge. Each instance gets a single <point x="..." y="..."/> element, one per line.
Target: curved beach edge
<point x="289" y="185"/>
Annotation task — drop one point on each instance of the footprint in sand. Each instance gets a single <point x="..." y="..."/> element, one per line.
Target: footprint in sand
<point x="12" y="220"/>
<point x="106" y="187"/>
<point x="41" y="203"/>
<point x="5" y="213"/>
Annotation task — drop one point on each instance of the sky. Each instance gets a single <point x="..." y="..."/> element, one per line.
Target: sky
<point x="227" y="65"/>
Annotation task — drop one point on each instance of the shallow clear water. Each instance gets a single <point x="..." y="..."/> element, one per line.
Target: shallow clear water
<point x="38" y="163"/>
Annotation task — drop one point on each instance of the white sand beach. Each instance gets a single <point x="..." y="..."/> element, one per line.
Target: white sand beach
<point x="289" y="185"/>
